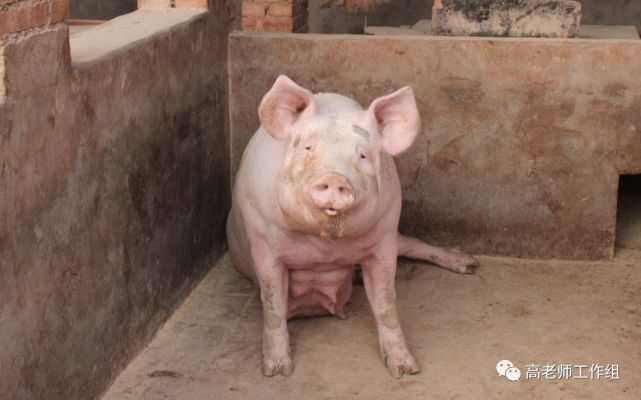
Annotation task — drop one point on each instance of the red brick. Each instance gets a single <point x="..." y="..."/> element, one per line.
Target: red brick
<point x="278" y="24"/>
<point x="280" y="9"/>
<point x="287" y="9"/>
<point x="59" y="11"/>
<point x="252" y="24"/>
<point x="275" y="15"/>
<point x="253" y="8"/>
<point x="20" y="19"/>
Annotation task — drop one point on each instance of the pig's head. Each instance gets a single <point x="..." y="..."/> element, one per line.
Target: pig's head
<point x="331" y="174"/>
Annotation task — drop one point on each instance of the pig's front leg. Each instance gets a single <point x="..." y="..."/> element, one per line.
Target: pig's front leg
<point x="378" y="277"/>
<point x="273" y="280"/>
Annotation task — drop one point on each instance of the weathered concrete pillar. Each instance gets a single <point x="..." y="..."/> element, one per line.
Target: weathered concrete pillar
<point x="22" y="15"/>
<point x="275" y="15"/>
<point x="516" y="18"/>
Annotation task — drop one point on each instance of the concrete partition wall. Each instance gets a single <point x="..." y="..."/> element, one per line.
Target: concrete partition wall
<point x="113" y="191"/>
<point x="522" y="143"/>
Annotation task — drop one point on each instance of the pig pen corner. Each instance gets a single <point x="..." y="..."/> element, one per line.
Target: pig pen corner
<point x="124" y="125"/>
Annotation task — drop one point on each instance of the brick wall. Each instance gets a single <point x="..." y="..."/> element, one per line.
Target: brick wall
<point x="275" y="15"/>
<point x="21" y="15"/>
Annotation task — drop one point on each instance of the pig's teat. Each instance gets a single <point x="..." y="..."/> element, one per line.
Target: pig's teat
<point x="332" y="194"/>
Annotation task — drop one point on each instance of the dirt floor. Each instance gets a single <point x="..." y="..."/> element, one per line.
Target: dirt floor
<point x="458" y="327"/>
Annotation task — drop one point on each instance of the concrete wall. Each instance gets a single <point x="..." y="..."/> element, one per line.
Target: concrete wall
<point x="100" y="9"/>
<point x="113" y="195"/>
<point x="523" y="140"/>
<point x="612" y="12"/>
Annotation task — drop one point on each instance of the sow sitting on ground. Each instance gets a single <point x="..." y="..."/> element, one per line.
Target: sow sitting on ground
<point x="317" y="196"/>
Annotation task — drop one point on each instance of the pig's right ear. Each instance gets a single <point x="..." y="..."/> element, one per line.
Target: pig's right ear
<point x="398" y="120"/>
<point x="282" y="106"/>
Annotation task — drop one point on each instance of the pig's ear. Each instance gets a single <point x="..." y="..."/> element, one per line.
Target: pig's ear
<point x="397" y="118"/>
<point x="282" y="106"/>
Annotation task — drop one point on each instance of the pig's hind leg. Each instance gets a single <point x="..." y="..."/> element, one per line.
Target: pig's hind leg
<point x="450" y="259"/>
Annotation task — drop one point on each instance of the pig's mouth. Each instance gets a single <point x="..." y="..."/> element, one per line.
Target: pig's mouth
<point x="331" y="211"/>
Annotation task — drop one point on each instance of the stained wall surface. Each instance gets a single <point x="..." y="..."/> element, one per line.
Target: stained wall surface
<point x="522" y="143"/>
<point x="113" y="196"/>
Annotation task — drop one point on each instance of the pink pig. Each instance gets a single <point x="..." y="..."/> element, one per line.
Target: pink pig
<point x="317" y="196"/>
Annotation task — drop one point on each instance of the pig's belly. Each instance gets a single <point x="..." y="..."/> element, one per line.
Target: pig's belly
<point x="322" y="291"/>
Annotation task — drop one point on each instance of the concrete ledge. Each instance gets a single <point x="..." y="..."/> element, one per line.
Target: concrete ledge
<point x="423" y="28"/>
<point x="120" y="33"/>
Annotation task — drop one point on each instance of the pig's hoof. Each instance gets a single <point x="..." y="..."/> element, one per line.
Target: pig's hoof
<point x="278" y="365"/>
<point x="460" y="262"/>
<point x="398" y="367"/>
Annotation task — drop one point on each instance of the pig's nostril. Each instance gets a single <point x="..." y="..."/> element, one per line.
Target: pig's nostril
<point x="324" y="187"/>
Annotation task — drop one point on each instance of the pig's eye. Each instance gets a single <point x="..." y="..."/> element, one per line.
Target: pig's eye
<point x="362" y="153"/>
<point x="308" y="148"/>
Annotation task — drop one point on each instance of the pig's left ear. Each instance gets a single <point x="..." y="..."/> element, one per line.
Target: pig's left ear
<point x="282" y="106"/>
<point x="397" y="118"/>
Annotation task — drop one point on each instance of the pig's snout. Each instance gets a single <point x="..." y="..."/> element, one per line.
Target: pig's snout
<point x="332" y="194"/>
